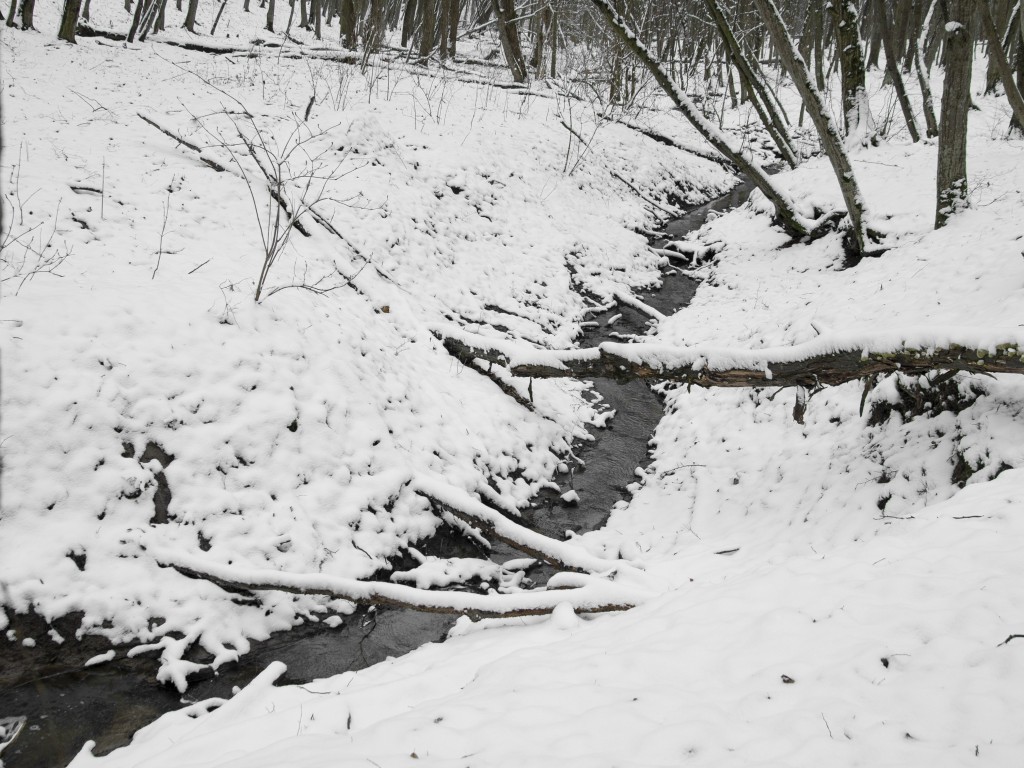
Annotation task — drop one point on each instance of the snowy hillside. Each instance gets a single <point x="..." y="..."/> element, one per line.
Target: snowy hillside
<point x="841" y="588"/>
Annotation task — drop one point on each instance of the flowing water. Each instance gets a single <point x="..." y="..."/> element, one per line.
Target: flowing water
<point x="66" y="704"/>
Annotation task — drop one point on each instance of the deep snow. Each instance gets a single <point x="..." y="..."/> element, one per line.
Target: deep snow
<point x="816" y="593"/>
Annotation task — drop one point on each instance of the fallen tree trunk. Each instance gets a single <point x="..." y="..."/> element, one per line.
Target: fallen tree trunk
<point x="597" y="597"/>
<point x="493" y="524"/>
<point x="825" y="361"/>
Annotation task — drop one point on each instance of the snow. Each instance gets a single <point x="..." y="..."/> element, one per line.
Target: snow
<point x="286" y="432"/>
<point x="100" y="658"/>
<point x="841" y="591"/>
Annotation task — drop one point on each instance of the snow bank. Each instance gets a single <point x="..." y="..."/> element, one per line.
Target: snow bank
<point x="841" y="591"/>
<point x="149" y="403"/>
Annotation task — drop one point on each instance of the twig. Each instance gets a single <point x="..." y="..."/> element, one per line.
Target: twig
<point x="645" y="198"/>
<point x="160" y="251"/>
<point x="826" y="725"/>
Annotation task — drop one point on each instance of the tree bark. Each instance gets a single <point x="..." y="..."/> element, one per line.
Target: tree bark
<point x="785" y="210"/>
<point x="585" y="599"/>
<point x="931" y="124"/>
<point x="827" y="131"/>
<point x="822" y="362"/>
<point x="892" y="66"/>
<point x="270" y="16"/>
<point x="27" y="11"/>
<point x="1016" y="126"/>
<point x="428" y="28"/>
<point x="140" y="6"/>
<point x="995" y="52"/>
<point x="508" y="31"/>
<point x="408" y="22"/>
<point x="860" y="125"/>
<point x="347" y="24"/>
<point x="216" y="19"/>
<point x="69" y="20"/>
<point x="951" y="175"/>
<point x="190" y="16"/>
<point x="762" y="104"/>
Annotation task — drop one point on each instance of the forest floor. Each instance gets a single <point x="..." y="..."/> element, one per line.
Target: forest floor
<point x="831" y="592"/>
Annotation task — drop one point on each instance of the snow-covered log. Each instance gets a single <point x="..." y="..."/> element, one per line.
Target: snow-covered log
<point x="593" y="597"/>
<point x="827" y="360"/>
<point x="495" y="525"/>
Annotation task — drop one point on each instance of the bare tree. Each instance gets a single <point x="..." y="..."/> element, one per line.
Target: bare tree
<point x="69" y="20"/>
<point x="951" y="176"/>
<point x="860" y="125"/>
<point x="827" y="131"/>
<point x="931" y="124"/>
<point x="749" y="73"/>
<point x="508" y="32"/>
<point x="998" y="56"/>
<point x="785" y="210"/>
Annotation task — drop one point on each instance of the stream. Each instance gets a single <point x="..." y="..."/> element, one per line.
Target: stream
<point x="66" y="704"/>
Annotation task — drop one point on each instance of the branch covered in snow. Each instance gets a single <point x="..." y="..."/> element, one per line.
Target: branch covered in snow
<point x="594" y="597"/>
<point x="827" y="360"/>
<point x="495" y="525"/>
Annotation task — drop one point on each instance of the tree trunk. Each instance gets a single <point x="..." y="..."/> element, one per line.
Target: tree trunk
<point x="314" y="17"/>
<point x="892" y="66"/>
<point x="454" y="14"/>
<point x="818" y="111"/>
<point x="589" y="598"/>
<point x="931" y="124"/>
<point x="408" y="22"/>
<point x="27" y="10"/>
<point x="823" y="361"/>
<point x="428" y="28"/>
<point x="216" y="19"/>
<point x="860" y="125"/>
<point x="158" y="21"/>
<point x="554" y="44"/>
<point x="137" y="19"/>
<point x="785" y="211"/>
<point x="818" y="18"/>
<point x="347" y="24"/>
<point x="291" y="17"/>
<point x="190" y="16"/>
<point x="543" y="25"/>
<point x="1016" y="126"/>
<point x="69" y="20"/>
<point x="11" y="13"/>
<point x="270" y="16"/>
<point x="951" y="176"/>
<point x="762" y="103"/>
<point x="508" y="31"/>
<point x="995" y="52"/>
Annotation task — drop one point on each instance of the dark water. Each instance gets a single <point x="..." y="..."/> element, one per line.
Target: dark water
<point x="67" y="705"/>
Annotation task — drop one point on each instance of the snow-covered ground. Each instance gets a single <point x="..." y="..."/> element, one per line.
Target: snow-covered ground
<point x="287" y="432"/>
<point x="836" y="591"/>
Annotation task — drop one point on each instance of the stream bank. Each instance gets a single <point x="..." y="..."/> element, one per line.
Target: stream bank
<point x="67" y="704"/>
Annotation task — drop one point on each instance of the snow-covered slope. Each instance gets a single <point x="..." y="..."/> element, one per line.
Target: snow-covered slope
<point x="285" y="432"/>
<point x="841" y="591"/>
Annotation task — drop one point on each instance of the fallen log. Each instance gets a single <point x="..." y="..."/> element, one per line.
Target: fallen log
<point x="493" y="524"/>
<point x="594" y="597"/>
<point x="825" y="361"/>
